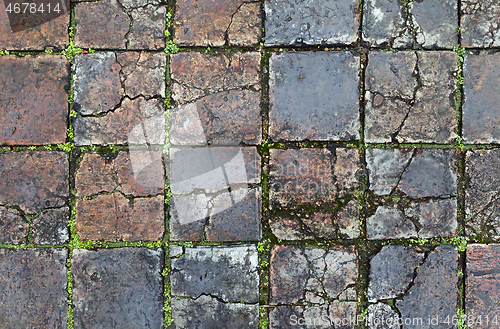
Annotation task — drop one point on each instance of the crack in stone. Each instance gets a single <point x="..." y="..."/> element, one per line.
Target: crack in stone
<point x="414" y="153"/>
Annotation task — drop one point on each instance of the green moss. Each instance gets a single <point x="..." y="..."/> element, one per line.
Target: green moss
<point x="263" y="318"/>
<point x="4" y="52"/>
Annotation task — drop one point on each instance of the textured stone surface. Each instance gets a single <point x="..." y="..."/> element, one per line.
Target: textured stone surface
<point x="479" y="23"/>
<point x="37" y="180"/>
<point x="209" y="312"/>
<point x="428" y="24"/>
<point x="483" y="284"/>
<point x="335" y="315"/>
<point x="481" y="98"/>
<point x="120" y="25"/>
<point x="311" y="176"/>
<point x="482" y="202"/>
<point x="222" y="23"/>
<point x="382" y="316"/>
<point x="118" y="288"/>
<point x="51" y="227"/>
<point x="326" y="224"/>
<point x="14" y="228"/>
<point x="314" y="96"/>
<point x="312" y="275"/>
<point x="33" y="285"/>
<point x="409" y="97"/>
<point x="311" y="22"/>
<point x="116" y="218"/>
<point x="34" y="98"/>
<point x="228" y="273"/>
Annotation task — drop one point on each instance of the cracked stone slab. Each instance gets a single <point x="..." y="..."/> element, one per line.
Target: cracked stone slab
<point x="343" y="223"/>
<point x="482" y="194"/>
<point x="38" y="180"/>
<point x="122" y="24"/>
<point x="479" y="23"/>
<point x="311" y="22"/>
<point x="382" y="316"/>
<point x="410" y="97"/>
<point x="118" y="288"/>
<point x="217" y="99"/>
<point x="312" y="275"/>
<point x="224" y="23"/>
<point x="34" y="98"/>
<point x="33" y="284"/>
<point x="482" y="284"/>
<point x="226" y="273"/>
<point x="311" y="176"/>
<point x="427" y="24"/>
<point x="314" y="96"/>
<point x="135" y="172"/>
<point x="14" y="227"/>
<point x="114" y="218"/>
<point x="336" y="315"/>
<point x="481" y="97"/>
<point x="51" y="227"/>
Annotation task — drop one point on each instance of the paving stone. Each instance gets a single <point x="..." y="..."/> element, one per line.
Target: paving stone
<point x="482" y="194"/>
<point x="33" y="284"/>
<point x="336" y="315"/>
<point x="217" y="98"/>
<point x="38" y="180"/>
<point x="326" y="224"/>
<point x="115" y="218"/>
<point x="312" y="275"/>
<point x="428" y="24"/>
<point x="311" y="176"/>
<point x="382" y="316"/>
<point x="118" y="288"/>
<point x="209" y="312"/>
<point x="136" y="172"/>
<point x="120" y="25"/>
<point x="478" y="23"/>
<point x="227" y="273"/>
<point x="311" y="22"/>
<point x="389" y="222"/>
<point x="410" y="97"/>
<point x="34" y="90"/>
<point x="51" y="227"/>
<point x="314" y="96"/>
<point x="481" y="97"/>
<point x="225" y="23"/>
<point x="45" y="31"/>
<point x="14" y="228"/>
<point x="482" y="285"/>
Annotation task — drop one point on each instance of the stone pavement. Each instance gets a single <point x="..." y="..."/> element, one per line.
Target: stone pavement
<point x="250" y="164"/>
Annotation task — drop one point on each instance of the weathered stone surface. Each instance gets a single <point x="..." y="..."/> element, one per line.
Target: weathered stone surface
<point x="434" y="290"/>
<point x="102" y="80"/>
<point x="227" y="22"/>
<point x="382" y="316"/>
<point x="428" y="24"/>
<point x="481" y="98"/>
<point x="33" y="285"/>
<point x="482" y="194"/>
<point x="311" y="22"/>
<point x="208" y="312"/>
<point x="135" y="122"/>
<point x="392" y="271"/>
<point x="314" y="96"/>
<point x="385" y="167"/>
<point x="120" y="25"/>
<point x="41" y="32"/>
<point x="228" y="273"/>
<point x="51" y="227"/>
<point x="388" y="222"/>
<point x="336" y="315"/>
<point x="482" y="285"/>
<point x="118" y="288"/>
<point x="312" y="275"/>
<point x="311" y="176"/>
<point x="478" y="23"/>
<point x="34" y="97"/>
<point x="136" y="172"/>
<point x="14" y="228"/>
<point x="340" y="224"/>
<point x="409" y="97"/>
<point x="36" y="180"/>
<point x="116" y="218"/>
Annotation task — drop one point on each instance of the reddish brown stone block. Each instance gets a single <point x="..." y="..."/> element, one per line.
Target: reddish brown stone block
<point x="116" y="218"/>
<point x="14" y="228"/>
<point x="34" y="98"/>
